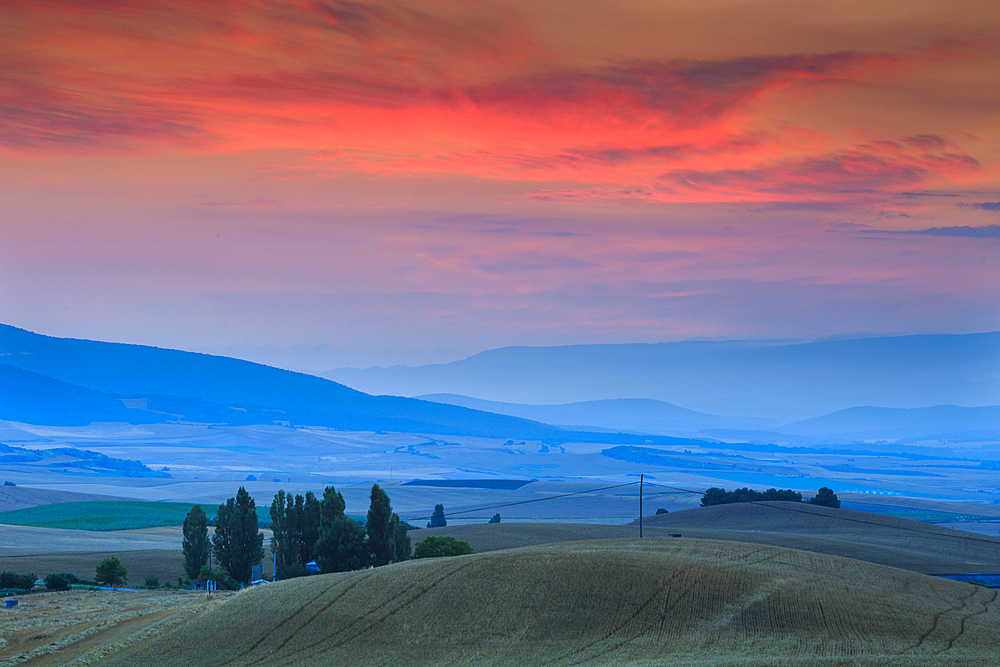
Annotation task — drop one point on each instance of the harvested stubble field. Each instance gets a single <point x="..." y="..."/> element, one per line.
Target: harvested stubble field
<point x="80" y="627"/>
<point x="611" y="602"/>
<point x="875" y="538"/>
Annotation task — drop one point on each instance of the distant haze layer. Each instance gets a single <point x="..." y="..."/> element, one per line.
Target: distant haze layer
<point x="785" y="382"/>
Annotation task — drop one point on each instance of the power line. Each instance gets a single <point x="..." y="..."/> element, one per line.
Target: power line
<point x="676" y="489"/>
<point x="525" y="502"/>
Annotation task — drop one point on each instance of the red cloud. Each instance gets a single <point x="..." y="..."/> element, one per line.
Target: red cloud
<point x="431" y="88"/>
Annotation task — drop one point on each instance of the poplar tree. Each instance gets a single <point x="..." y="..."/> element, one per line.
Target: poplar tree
<point x="380" y="539"/>
<point x="195" y="544"/>
<point x="238" y="544"/>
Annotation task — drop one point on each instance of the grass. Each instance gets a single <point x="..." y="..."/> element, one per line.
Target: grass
<point x="611" y="602"/>
<point x="99" y="515"/>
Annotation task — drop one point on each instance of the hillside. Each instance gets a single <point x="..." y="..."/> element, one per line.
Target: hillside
<point x="874" y="538"/>
<point x="88" y="377"/>
<point x="941" y="422"/>
<point x="782" y="381"/>
<point x="655" y="602"/>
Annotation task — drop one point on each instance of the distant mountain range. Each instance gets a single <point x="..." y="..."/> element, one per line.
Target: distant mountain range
<point x="638" y="415"/>
<point x="779" y="381"/>
<point x="65" y="381"/>
<point x="948" y="423"/>
<point x="62" y="381"/>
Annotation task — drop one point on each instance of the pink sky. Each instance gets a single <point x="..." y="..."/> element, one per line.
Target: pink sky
<point x="316" y="184"/>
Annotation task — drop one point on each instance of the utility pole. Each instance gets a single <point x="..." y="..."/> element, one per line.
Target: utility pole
<point x="640" y="505"/>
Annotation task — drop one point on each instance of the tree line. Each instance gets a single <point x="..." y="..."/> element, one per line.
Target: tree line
<point x="717" y="496"/>
<point x="304" y="528"/>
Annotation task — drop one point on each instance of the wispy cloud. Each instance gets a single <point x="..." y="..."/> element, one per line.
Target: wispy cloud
<point x="984" y="232"/>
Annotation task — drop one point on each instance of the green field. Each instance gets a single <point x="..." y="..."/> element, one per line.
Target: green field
<point x="100" y="515"/>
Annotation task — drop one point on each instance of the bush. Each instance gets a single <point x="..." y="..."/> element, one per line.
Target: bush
<point x="220" y="577"/>
<point x="717" y="496"/>
<point x="826" y="498"/>
<point x="57" y="582"/>
<point x="495" y="518"/>
<point x="435" y="547"/>
<point x="152" y="581"/>
<point x="24" y="582"/>
<point x="111" y="572"/>
<point x="660" y="510"/>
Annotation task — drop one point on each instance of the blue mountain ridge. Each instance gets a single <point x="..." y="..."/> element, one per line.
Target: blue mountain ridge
<point x="66" y="380"/>
<point x="783" y="381"/>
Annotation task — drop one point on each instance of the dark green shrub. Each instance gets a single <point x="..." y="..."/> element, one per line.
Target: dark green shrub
<point x="661" y="511"/>
<point x="24" y="582"/>
<point x="717" y="496"/>
<point x="152" y="581"/>
<point x="221" y="578"/>
<point x="826" y="498"/>
<point x="495" y="518"/>
<point x="437" y="546"/>
<point x="57" y="582"/>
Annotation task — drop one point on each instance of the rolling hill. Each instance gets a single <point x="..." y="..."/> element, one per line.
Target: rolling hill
<point x="874" y="538"/>
<point x="617" y="602"/>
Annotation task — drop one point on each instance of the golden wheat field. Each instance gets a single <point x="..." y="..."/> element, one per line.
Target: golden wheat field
<point x="608" y="602"/>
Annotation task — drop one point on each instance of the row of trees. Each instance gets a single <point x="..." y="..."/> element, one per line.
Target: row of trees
<point x="237" y="545"/>
<point x="716" y="496"/>
<point x="304" y="528"/>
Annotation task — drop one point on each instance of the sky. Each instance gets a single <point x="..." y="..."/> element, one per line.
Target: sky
<point x="316" y="184"/>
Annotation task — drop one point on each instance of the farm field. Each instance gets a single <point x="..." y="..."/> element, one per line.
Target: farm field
<point x="99" y="515"/>
<point x="18" y="497"/>
<point x="611" y="602"/>
<point x="81" y="627"/>
<point x="207" y="462"/>
<point x="883" y="540"/>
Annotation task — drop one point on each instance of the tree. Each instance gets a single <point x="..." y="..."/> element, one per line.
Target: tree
<point x="437" y="518"/>
<point x="57" y="582"/>
<point x="717" y="496"/>
<point x="195" y="545"/>
<point x="400" y="539"/>
<point x="309" y="526"/>
<point x="238" y="544"/>
<point x="437" y="546"/>
<point x="826" y="498"/>
<point x="660" y="510"/>
<point x="495" y="518"/>
<point x="111" y="572"/>
<point x="380" y="540"/>
<point x="278" y="528"/>
<point x="341" y="546"/>
<point x="295" y="528"/>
